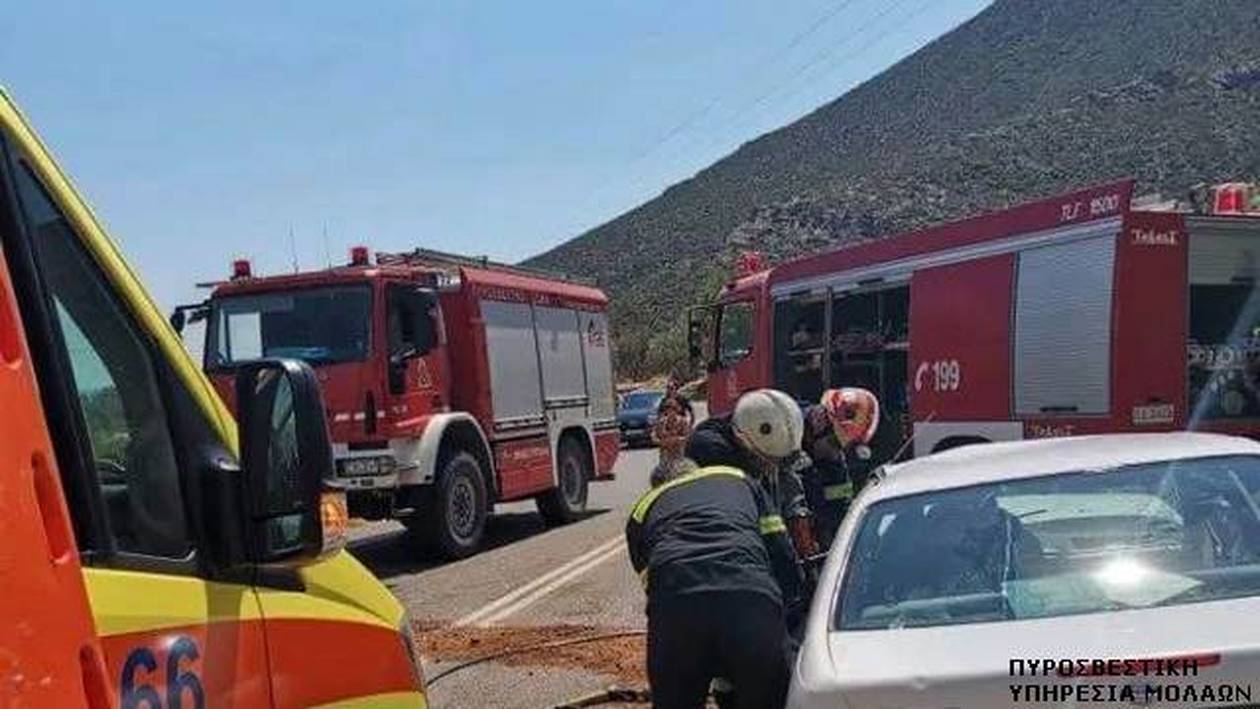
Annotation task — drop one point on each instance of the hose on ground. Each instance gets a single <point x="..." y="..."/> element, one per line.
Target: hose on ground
<point x="532" y="648"/>
<point x="620" y="695"/>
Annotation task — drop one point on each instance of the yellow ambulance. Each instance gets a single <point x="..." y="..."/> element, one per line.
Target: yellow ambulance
<point x="151" y="557"/>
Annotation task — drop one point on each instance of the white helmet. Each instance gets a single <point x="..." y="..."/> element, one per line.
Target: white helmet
<point x="770" y="422"/>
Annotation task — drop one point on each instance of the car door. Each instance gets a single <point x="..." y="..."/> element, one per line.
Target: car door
<point x="132" y="447"/>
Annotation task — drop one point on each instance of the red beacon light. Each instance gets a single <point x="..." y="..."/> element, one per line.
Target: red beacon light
<point x="749" y="262"/>
<point x="359" y="256"/>
<point x="1235" y="198"/>
<point x="241" y="268"/>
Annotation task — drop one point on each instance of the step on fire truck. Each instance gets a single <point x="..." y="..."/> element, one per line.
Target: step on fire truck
<point x="1084" y="313"/>
<point x="451" y="383"/>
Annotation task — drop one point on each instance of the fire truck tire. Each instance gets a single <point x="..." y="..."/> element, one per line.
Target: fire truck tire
<point x="455" y="521"/>
<point x="567" y="501"/>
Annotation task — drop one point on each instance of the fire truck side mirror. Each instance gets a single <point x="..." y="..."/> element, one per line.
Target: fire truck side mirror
<point x="427" y="335"/>
<point x="414" y="323"/>
<point x="182" y="315"/>
<point x="293" y="514"/>
<point x="695" y="336"/>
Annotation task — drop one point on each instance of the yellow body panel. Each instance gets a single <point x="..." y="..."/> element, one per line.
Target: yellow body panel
<point x="342" y="579"/>
<point x="381" y="701"/>
<point x="183" y="601"/>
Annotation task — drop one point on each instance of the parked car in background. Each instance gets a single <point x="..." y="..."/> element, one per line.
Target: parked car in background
<point x="637" y="414"/>
<point x="957" y="576"/>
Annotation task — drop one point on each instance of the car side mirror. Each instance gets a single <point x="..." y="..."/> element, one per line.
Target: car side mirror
<point x="293" y="514"/>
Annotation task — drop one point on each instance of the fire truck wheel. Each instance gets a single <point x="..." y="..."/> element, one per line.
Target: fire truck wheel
<point x="457" y="518"/>
<point x="567" y="501"/>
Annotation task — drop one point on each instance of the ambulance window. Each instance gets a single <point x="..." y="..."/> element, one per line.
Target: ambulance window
<point x="116" y="385"/>
<point x="735" y="336"/>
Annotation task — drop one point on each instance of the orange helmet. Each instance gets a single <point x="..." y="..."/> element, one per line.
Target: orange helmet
<point x="853" y="413"/>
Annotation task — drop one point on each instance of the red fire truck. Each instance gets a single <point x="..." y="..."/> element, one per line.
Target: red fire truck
<point x="1084" y="313"/>
<point x="451" y="384"/>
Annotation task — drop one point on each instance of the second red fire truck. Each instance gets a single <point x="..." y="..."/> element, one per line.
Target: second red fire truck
<point x="1084" y="313"/>
<point x="451" y="384"/>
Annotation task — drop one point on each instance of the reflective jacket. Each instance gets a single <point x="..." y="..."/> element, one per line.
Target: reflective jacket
<point x="711" y="530"/>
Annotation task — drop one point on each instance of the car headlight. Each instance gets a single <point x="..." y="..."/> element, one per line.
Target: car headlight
<point x="651" y="419"/>
<point x="411" y="646"/>
<point x="366" y="466"/>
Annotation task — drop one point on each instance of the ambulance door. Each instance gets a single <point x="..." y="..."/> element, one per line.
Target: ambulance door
<point x="50" y="653"/>
<point x="134" y="451"/>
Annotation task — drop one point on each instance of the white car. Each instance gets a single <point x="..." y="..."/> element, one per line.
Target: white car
<point x="1094" y="571"/>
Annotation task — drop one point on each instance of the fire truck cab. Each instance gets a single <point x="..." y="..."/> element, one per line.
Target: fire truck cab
<point x="452" y="384"/>
<point x="1083" y="313"/>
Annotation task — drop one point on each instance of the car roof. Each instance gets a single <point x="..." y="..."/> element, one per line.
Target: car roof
<point x="996" y="462"/>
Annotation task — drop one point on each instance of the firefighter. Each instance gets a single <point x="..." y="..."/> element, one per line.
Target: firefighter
<point x="718" y="441"/>
<point x="718" y="568"/>
<point x="836" y="454"/>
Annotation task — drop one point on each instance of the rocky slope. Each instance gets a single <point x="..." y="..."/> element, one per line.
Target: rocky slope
<point x="1029" y="98"/>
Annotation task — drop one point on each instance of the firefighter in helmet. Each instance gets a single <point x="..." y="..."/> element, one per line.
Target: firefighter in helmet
<point x="730" y="440"/>
<point x="836" y="454"/>
<point x="711" y="546"/>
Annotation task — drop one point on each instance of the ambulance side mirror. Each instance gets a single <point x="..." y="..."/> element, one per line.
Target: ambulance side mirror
<point x="293" y="513"/>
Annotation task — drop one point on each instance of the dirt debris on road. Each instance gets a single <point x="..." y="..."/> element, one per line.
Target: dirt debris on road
<point x="622" y="657"/>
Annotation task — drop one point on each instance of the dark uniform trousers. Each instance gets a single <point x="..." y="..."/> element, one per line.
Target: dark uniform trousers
<point x="734" y="635"/>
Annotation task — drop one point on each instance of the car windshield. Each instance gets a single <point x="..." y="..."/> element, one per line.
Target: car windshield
<point x="318" y="325"/>
<point x="641" y="400"/>
<point x="1138" y="536"/>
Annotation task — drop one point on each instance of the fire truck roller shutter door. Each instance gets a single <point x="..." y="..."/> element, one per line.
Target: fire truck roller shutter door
<point x="1063" y="298"/>
<point x="512" y="352"/>
<point x="560" y="354"/>
<point x="597" y="352"/>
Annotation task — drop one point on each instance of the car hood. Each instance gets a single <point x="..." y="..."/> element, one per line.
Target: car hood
<point x="973" y="665"/>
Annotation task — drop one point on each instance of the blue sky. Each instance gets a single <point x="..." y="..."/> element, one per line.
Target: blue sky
<point x="206" y="131"/>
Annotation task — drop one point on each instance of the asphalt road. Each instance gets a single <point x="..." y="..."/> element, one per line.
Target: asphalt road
<point x="531" y="581"/>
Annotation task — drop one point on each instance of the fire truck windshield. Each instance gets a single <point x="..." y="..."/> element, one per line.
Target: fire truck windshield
<point x="318" y="325"/>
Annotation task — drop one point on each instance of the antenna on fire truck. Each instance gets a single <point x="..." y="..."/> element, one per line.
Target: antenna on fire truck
<point x="293" y="249"/>
<point x="327" y="252"/>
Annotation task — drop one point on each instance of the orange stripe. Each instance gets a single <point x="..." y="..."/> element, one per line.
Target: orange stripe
<point x="316" y="662"/>
<point x="311" y="662"/>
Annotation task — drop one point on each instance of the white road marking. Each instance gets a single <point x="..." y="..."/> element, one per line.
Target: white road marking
<point x="510" y="602"/>
<point x="544" y="590"/>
